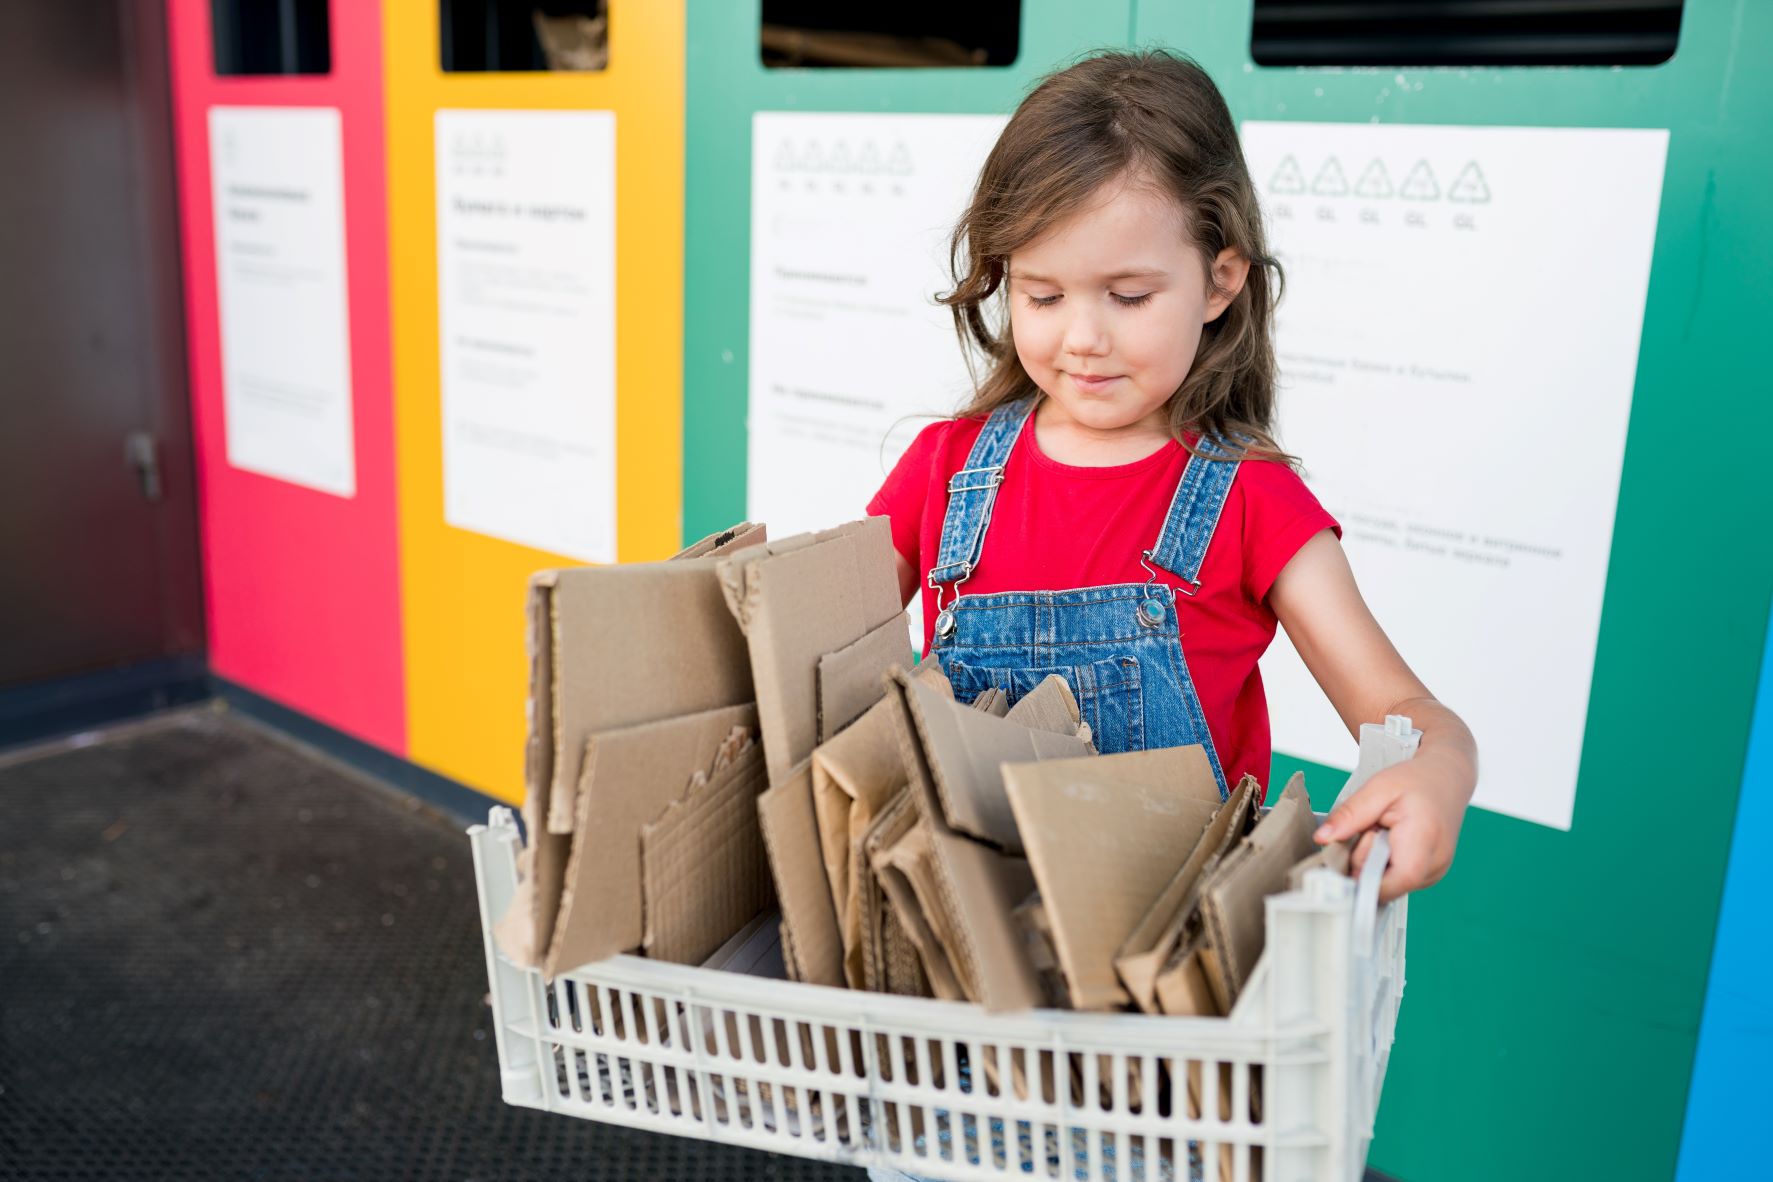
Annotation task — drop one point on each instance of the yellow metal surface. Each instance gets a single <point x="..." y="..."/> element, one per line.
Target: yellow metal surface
<point x="462" y="592"/>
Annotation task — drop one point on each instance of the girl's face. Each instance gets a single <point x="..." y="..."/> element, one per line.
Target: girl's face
<point x="1106" y="308"/>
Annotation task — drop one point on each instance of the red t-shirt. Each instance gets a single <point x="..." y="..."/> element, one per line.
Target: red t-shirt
<point x="1055" y="527"/>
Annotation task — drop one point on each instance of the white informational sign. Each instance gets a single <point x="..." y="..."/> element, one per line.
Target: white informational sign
<point x="1457" y="347"/>
<point x="850" y="353"/>
<point x="526" y="291"/>
<point x="278" y="180"/>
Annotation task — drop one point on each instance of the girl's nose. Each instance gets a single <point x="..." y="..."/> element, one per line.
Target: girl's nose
<point x="1085" y="335"/>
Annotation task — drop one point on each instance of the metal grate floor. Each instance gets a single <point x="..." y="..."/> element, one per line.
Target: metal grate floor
<point x="224" y="957"/>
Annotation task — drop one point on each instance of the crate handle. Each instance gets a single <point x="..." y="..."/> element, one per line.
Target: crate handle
<point x="1366" y="892"/>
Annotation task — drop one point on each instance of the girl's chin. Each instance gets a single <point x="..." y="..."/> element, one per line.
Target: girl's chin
<point x="1101" y="412"/>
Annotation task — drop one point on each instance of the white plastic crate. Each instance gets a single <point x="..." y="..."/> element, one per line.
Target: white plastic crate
<point x="1288" y="1085"/>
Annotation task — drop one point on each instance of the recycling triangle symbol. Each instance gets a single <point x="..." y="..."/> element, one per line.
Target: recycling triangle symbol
<point x="1375" y="181"/>
<point x="1330" y="182"/>
<point x="1420" y="185"/>
<point x="1470" y="186"/>
<point x="1287" y="178"/>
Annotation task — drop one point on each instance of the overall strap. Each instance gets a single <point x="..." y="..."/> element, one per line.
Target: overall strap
<point x="972" y="490"/>
<point x="1194" y="512"/>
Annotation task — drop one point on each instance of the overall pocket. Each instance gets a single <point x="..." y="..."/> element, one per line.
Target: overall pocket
<point x="1108" y="694"/>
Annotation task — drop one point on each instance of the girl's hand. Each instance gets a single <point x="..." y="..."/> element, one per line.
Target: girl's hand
<point x="1422" y="802"/>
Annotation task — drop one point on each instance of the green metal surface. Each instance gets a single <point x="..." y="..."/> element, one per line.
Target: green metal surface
<point x="727" y="83"/>
<point x="1556" y="979"/>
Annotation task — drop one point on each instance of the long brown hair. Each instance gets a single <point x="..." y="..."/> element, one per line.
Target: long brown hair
<point x="1156" y="115"/>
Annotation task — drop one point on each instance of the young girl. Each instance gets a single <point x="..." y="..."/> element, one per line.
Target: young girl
<point x="1112" y="505"/>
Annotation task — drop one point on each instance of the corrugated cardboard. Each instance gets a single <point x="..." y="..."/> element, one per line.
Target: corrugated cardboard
<point x="631" y="776"/>
<point x="890" y="960"/>
<point x="855" y="775"/>
<point x="1231" y="899"/>
<point x="965" y="750"/>
<point x="796" y="601"/>
<point x="1049" y="706"/>
<point x="703" y="871"/>
<point x="593" y="630"/>
<point x="906" y="875"/>
<point x="1103" y="835"/>
<point x="810" y="940"/>
<point x="850" y="679"/>
<point x="992" y="701"/>
<point x="1333" y="857"/>
<point x="979" y="887"/>
<point x="1153" y="941"/>
<point x="727" y="541"/>
<point x="1037" y="936"/>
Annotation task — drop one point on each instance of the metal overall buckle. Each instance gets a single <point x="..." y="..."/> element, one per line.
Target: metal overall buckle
<point x="945" y="621"/>
<point x="1152" y="611"/>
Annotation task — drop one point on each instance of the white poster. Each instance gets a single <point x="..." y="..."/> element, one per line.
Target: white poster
<point x="526" y="291"/>
<point x="1457" y="344"/>
<point x="279" y="190"/>
<point x="850" y="353"/>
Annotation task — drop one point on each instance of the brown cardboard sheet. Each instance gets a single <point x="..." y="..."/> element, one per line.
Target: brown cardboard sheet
<point x="703" y="870"/>
<point x="1049" y="706"/>
<point x="1104" y="835"/>
<point x="631" y="776"/>
<point x="853" y="678"/>
<point x="1154" y="939"/>
<point x="979" y="887"/>
<point x="889" y="959"/>
<point x="906" y="875"/>
<point x="992" y="701"/>
<point x="811" y="942"/>
<point x="1232" y="898"/>
<point x="966" y="750"/>
<point x="797" y="601"/>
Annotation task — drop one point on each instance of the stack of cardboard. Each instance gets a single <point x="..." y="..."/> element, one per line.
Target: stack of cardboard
<point x="736" y="726"/>
<point x="642" y="735"/>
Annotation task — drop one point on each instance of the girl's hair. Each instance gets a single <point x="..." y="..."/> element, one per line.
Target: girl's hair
<point x="1158" y="117"/>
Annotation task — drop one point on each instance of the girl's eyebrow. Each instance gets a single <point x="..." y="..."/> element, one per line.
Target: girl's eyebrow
<point x="1131" y="273"/>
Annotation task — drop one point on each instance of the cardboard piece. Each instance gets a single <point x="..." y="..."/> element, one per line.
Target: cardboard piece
<point x="1149" y="947"/>
<point x="1103" y="835"/>
<point x="978" y="887"/>
<point x="966" y="750"/>
<point x="1231" y="899"/>
<point x="855" y="776"/>
<point x="889" y="957"/>
<point x="703" y="871"/>
<point x="796" y="601"/>
<point x="1037" y="936"/>
<point x="583" y="669"/>
<point x="631" y="776"/>
<point x="1049" y="706"/>
<point x="811" y="944"/>
<point x="992" y="701"/>
<point x="907" y="877"/>
<point x="1335" y="857"/>
<point x="850" y="680"/>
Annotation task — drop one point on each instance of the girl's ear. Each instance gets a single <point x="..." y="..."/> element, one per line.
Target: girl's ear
<point x="1230" y="270"/>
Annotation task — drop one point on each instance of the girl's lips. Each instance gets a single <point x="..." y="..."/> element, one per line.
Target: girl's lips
<point x="1093" y="384"/>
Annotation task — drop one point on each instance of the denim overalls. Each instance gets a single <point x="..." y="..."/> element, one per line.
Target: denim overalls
<point x="1119" y="646"/>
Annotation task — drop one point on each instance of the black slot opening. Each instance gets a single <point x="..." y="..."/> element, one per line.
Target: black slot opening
<point x="910" y="34"/>
<point x="271" y="37"/>
<point x="1464" y="32"/>
<point x="524" y="36"/>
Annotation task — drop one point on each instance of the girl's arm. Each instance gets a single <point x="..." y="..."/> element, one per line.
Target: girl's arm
<point x="1422" y="801"/>
<point x="907" y="578"/>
